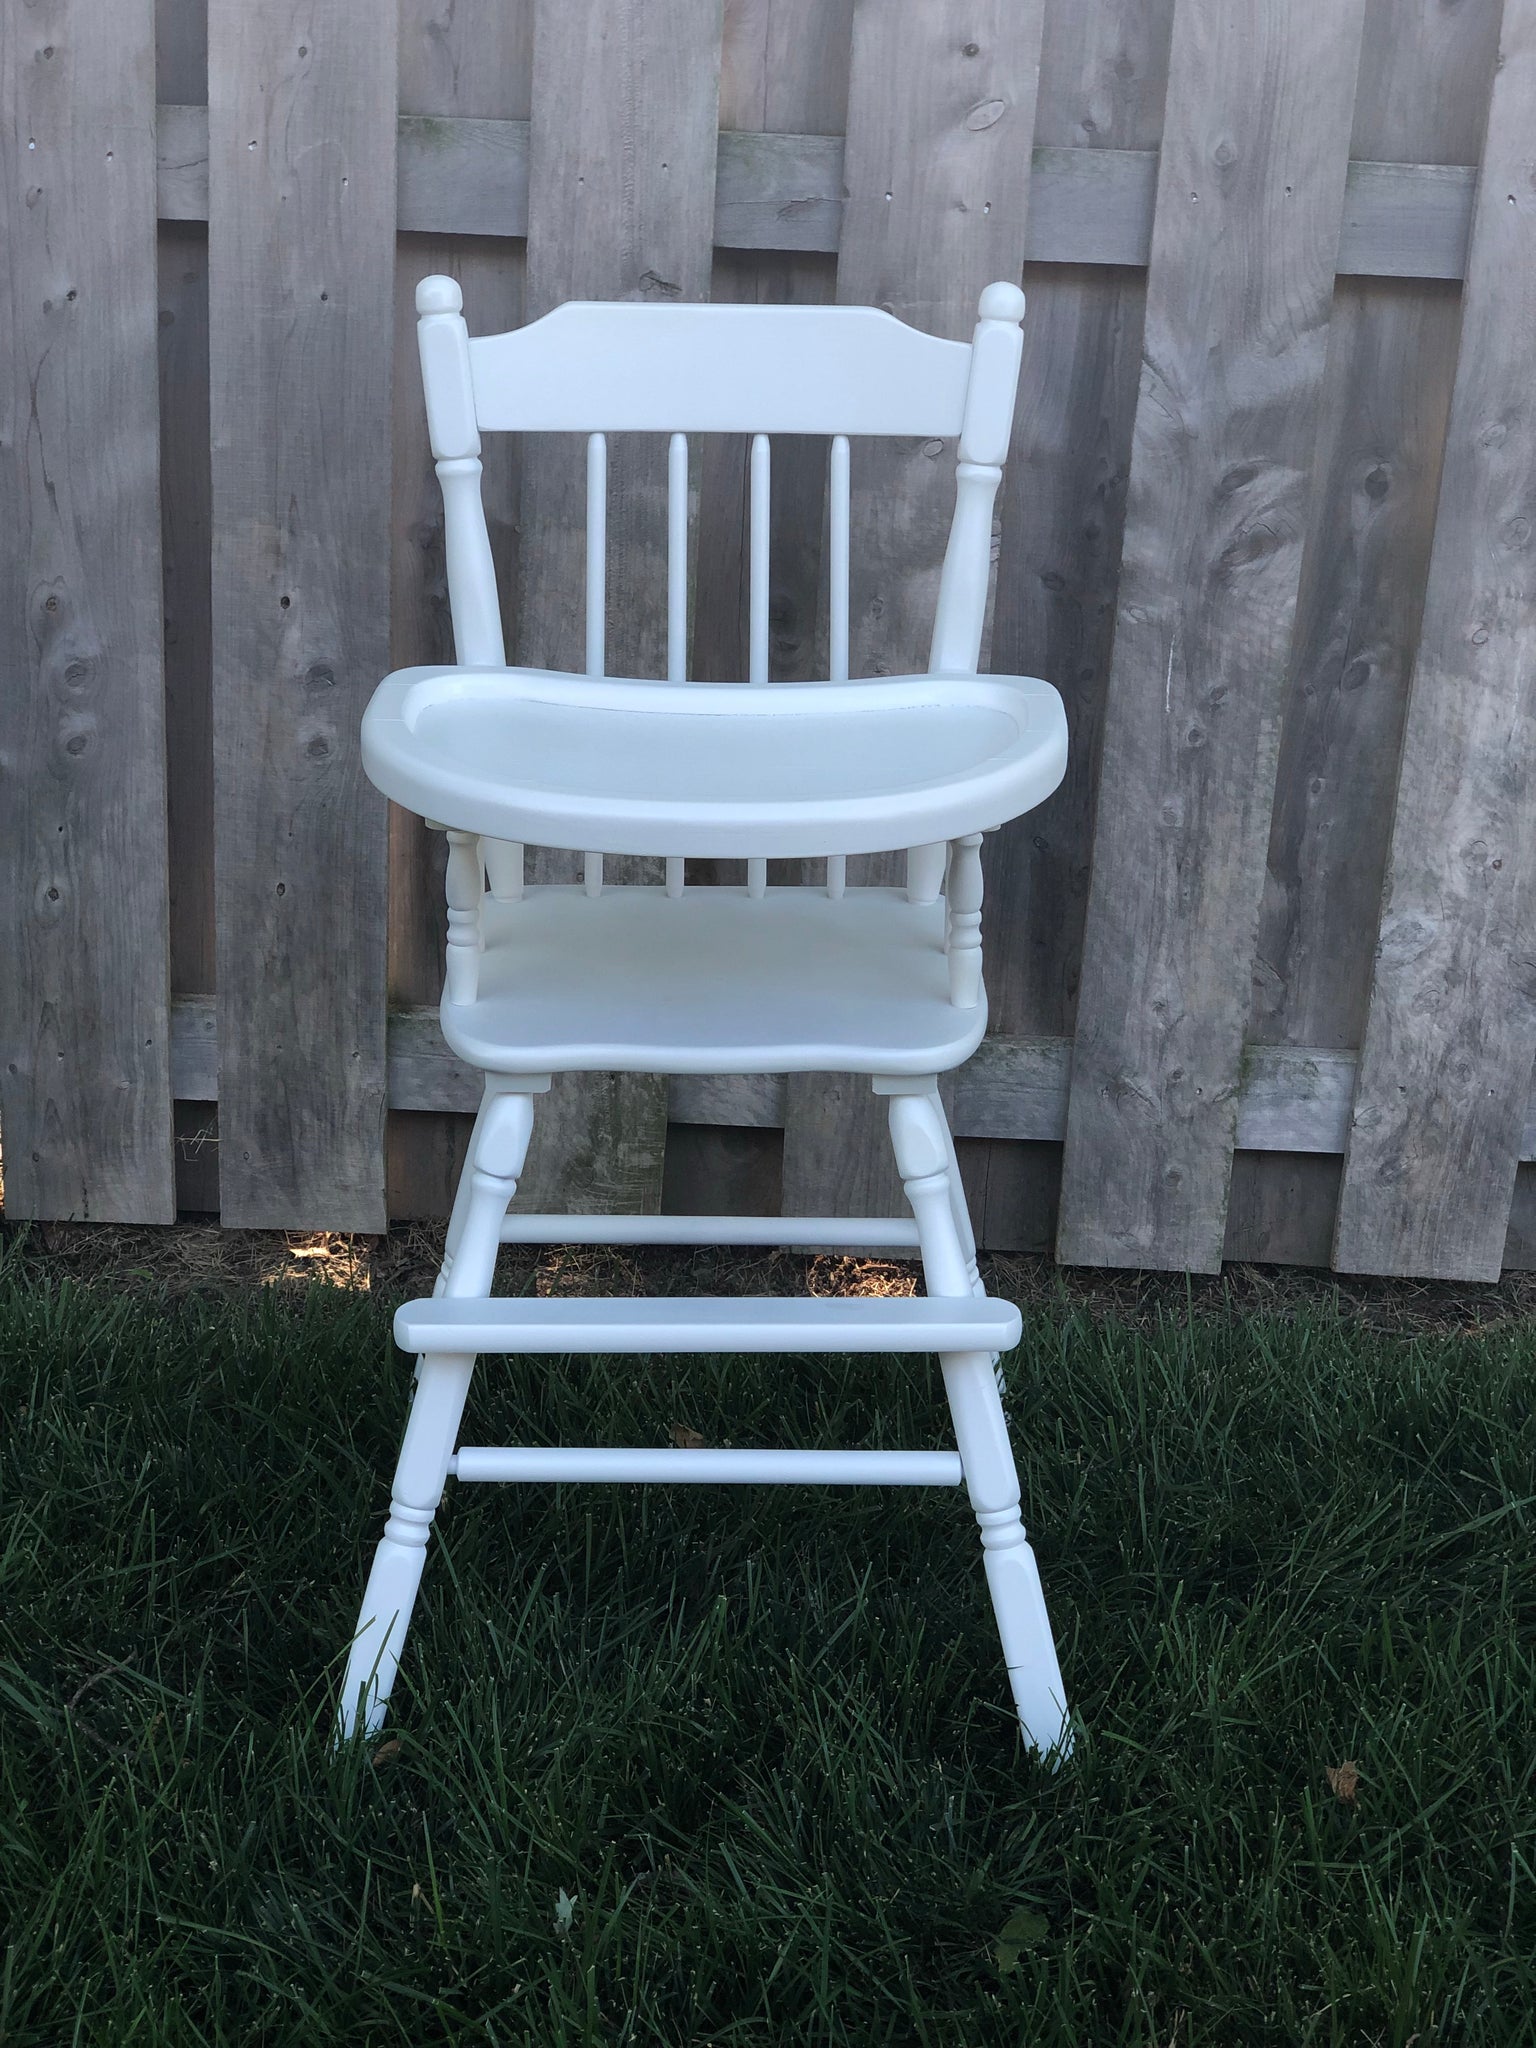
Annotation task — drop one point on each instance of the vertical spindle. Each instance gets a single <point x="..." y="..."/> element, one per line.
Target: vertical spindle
<point x="597" y="599"/>
<point x="466" y="891"/>
<point x="504" y="865"/>
<point x="677" y="559"/>
<point x="925" y="871"/>
<point x="838" y="562"/>
<point x="757" y="615"/>
<point x="597" y="552"/>
<point x="964" y="922"/>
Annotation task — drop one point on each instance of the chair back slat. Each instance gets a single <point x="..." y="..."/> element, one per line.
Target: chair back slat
<point x="692" y="369"/>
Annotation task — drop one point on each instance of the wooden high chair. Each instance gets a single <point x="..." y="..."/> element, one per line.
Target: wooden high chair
<point x="680" y="978"/>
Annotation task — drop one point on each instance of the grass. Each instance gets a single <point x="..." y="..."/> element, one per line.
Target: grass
<point x="689" y="1767"/>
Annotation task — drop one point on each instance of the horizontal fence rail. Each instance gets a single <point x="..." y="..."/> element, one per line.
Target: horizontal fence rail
<point x="1255" y="973"/>
<point x="785" y="192"/>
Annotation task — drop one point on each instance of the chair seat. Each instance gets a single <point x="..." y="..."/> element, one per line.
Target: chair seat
<point x="612" y="765"/>
<point x="713" y="982"/>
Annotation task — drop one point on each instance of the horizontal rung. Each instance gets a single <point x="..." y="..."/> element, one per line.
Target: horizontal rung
<point x="827" y="1230"/>
<point x="605" y="1325"/>
<point x="713" y="1468"/>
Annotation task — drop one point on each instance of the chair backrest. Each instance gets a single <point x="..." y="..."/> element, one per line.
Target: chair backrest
<point x="838" y="371"/>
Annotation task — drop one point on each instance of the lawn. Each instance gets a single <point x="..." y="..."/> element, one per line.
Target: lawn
<point x="696" y="1767"/>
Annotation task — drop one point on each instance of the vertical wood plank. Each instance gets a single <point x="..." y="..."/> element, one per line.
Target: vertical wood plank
<point x="1450" y="1036"/>
<point x="621" y="196"/>
<point x="1422" y="98"/>
<point x="784" y="70"/>
<point x="941" y="116"/>
<point x="473" y="62"/>
<point x="1249" y="202"/>
<point x="1103" y="81"/>
<point x="301" y="277"/>
<point x="84" y="1051"/>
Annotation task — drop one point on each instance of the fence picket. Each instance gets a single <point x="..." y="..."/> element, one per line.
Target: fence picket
<point x="937" y="171"/>
<point x="301" y="281"/>
<point x="1249" y="204"/>
<point x="1423" y="94"/>
<point x="621" y="204"/>
<point x="1439" y="1109"/>
<point x="84" y="992"/>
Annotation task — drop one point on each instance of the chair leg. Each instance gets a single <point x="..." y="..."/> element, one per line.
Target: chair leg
<point x="924" y="1155"/>
<point x="431" y="1432"/>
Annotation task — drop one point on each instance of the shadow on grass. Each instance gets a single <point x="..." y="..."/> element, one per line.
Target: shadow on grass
<point x="685" y="1766"/>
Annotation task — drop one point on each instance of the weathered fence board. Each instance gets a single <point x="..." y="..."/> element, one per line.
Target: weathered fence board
<point x="621" y="204"/>
<point x="84" y="1052"/>
<point x="301" y="277"/>
<point x="1423" y="93"/>
<point x="936" y="170"/>
<point x="1103" y="83"/>
<point x="1250" y="194"/>
<point x="473" y="63"/>
<point x="775" y="192"/>
<point x="1451" y="1033"/>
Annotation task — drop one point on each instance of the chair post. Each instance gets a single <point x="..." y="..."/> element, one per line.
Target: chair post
<point x="442" y="1384"/>
<point x="996" y="352"/>
<point x="923" y="1154"/>
<point x="466" y="893"/>
<point x="962" y="937"/>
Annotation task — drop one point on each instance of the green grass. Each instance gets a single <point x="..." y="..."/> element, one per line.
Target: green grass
<point x="760" y="1740"/>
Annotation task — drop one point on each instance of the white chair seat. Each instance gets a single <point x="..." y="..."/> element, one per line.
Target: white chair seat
<point x="708" y="983"/>
<point x="611" y="765"/>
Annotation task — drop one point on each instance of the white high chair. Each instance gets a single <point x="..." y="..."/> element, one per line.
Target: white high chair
<point x="678" y="978"/>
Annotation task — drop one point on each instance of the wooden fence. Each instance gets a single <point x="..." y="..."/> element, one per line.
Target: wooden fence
<point x="1261" y="972"/>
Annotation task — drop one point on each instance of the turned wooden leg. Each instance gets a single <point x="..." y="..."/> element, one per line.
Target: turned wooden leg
<point x="925" y="1155"/>
<point x="431" y="1432"/>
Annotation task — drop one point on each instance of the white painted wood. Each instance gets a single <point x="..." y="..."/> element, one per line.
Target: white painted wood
<point x="443" y="341"/>
<point x="713" y="983"/>
<point x="504" y="867"/>
<point x="677" y="559"/>
<point x="757" y="598"/>
<point x="708" y="1467"/>
<point x="597" y="554"/>
<point x="561" y="979"/>
<point x="728" y="1325"/>
<point x="719" y="370"/>
<point x="924" y="1156"/>
<point x="964" y="942"/>
<point x="781" y="1230"/>
<point x="925" y="871"/>
<point x="839" y="484"/>
<point x="442" y="1385"/>
<point x="797" y="770"/>
<point x="466" y="891"/>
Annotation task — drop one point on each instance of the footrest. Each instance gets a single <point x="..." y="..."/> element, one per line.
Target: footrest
<point x="731" y="1324"/>
<point x="707" y="1467"/>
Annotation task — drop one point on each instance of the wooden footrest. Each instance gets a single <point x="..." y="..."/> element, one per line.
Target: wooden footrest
<point x="706" y="1467"/>
<point x="731" y="1324"/>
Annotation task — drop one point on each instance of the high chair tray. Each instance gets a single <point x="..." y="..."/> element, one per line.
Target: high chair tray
<point x="611" y="765"/>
